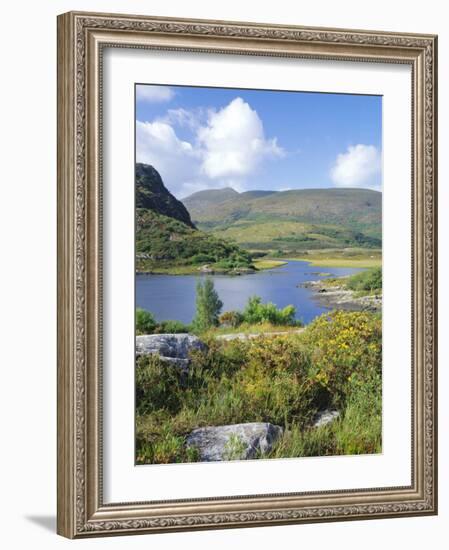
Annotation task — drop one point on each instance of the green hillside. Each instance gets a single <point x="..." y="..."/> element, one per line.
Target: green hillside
<point x="291" y="221"/>
<point x="166" y="238"/>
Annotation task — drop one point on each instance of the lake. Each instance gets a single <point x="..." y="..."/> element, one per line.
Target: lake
<point x="173" y="296"/>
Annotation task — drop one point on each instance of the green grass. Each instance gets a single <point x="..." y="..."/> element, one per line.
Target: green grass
<point x="246" y="231"/>
<point x="359" y="431"/>
<point x="268" y="264"/>
<point x="343" y="262"/>
<point x="164" y="269"/>
<point x="289" y="236"/>
<point x="347" y="257"/>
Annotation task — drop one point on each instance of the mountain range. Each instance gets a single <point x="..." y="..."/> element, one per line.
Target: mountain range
<point x="292" y="220"/>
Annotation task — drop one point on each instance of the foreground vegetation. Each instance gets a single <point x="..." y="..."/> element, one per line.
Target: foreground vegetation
<point x="334" y="363"/>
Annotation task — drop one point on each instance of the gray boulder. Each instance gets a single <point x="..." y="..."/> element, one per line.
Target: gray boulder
<point x="234" y="442"/>
<point x="173" y="348"/>
<point x="325" y="417"/>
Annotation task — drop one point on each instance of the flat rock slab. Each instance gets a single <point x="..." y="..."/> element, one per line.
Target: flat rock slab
<point x="173" y="348"/>
<point x="235" y="441"/>
<point x="251" y="336"/>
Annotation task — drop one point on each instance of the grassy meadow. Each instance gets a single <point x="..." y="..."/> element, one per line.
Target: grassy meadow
<point x="349" y="257"/>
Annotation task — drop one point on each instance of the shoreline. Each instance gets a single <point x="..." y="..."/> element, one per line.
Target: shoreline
<point x="341" y="298"/>
<point x="185" y="270"/>
<point x="267" y="264"/>
<point x="259" y="266"/>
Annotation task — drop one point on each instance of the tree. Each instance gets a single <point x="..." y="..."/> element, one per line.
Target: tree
<point x="208" y="306"/>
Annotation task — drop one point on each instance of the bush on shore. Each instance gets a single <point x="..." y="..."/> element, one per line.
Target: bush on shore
<point x="367" y="281"/>
<point x="146" y="324"/>
<point x="256" y="312"/>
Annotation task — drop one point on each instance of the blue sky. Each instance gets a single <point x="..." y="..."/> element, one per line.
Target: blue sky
<point x="206" y="138"/>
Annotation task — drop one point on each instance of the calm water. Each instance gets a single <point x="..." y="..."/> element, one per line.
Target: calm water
<point x="173" y="296"/>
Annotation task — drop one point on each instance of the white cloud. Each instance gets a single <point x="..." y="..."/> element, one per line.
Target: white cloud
<point x="176" y="160"/>
<point x="154" y="94"/>
<point x="234" y="142"/>
<point x="360" y="166"/>
<point x="185" y="118"/>
<point x="225" y="147"/>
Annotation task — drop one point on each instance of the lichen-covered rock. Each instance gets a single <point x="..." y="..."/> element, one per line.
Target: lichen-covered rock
<point x="173" y="348"/>
<point x="234" y="442"/>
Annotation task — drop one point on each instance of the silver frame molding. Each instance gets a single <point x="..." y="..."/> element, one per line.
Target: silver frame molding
<point x="81" y="39"/>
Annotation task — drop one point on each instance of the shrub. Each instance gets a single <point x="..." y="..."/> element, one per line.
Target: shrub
<point x="256" y="312"/>
<point x="224" y="264"/>
<point x="231" y="318"/>
<point x="208" y="306"/>
<point x="345" y="348"/>
<point x="275" y="381"/>
<point x="370" y="280"/>
<point x="202" y="259"/>
<point x="158" y="385"/>
<point x="145" y="323"/>
<point x="171" y="327"/>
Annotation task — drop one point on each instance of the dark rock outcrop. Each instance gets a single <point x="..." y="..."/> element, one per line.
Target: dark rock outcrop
<point x="152" y="194"/>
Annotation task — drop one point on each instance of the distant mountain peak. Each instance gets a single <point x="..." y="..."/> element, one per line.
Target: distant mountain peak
<point x="257" y="193"/>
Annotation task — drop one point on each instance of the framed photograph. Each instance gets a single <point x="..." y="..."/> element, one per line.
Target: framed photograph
<point x="246" y="274"/>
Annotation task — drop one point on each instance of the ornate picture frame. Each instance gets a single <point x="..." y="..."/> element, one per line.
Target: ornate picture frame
<point x="82" y="38"/>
